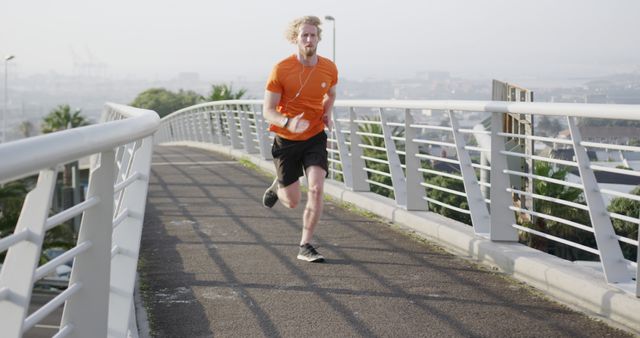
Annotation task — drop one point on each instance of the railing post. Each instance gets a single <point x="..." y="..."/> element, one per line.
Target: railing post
<point x="611" y="258"/>
<point x="477" y="206"/>
<point x="171" y="132"/>
<point x="345" y="162"/>
<point x="262" y="129"/>
<point x="192" y="127"/>
<point x="204" y="126"/>
<point x="208" y="127"/>
<point x="126" y="242"/>
<point x="22" y="259"/>
<point x="222" y="137"/>
<point x="358" y="174"/>
<point x="123" y="160"/>
<point x="501" y="217"/>
<point x="187" y="128"/>
<point x="199" y="125"/>
<point x="180" y="127"/>
<point x="395" y="167"/>
<point x="415" y="191"/>
<point x="92" y="269"/>
<point x="233" y="131"/>
<point x="247" y="137"/>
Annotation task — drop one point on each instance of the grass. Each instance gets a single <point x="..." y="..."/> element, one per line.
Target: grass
<point x="145" y="295"/>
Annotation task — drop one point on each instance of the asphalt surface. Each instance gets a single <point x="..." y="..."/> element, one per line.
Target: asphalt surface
<point x="215" y="263"/>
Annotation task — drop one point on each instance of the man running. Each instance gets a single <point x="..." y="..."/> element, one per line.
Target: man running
<point x="298" y="101"/>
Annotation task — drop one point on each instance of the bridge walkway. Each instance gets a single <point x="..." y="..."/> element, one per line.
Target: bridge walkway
<point x="214" y="262"/>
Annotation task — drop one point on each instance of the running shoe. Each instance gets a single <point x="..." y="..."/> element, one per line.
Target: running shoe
<point x="269" y="198"/>
<point x="308" y="253"/>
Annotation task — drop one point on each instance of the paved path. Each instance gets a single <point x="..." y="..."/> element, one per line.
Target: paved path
<point x="214" y="262"/>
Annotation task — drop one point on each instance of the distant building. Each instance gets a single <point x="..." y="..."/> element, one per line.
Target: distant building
<point x="609" y="134"/>
<point x="597" y="98"/>
<point x="439" y="76"/>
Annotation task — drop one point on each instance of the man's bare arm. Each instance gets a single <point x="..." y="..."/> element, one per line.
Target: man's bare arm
<point x="295" y="124"/>
<point x="272" y="116"/>
<point x="329" y="100"/>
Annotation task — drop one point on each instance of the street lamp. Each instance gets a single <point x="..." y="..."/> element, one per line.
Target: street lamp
<point x="4" y="112"/>
<point x="332" y="145"/>
<point x="333" y="20"/>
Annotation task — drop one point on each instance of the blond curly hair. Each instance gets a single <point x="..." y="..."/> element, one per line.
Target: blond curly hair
<point x="294" y="27"/>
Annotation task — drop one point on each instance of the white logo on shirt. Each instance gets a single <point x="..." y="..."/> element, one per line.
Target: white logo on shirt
<point x="323" y="85"/>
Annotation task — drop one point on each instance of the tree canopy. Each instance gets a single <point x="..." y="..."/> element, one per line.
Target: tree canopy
<point x="165" y="102"/>
<point x="61" y="118"/>
<point x="630" y="208"/>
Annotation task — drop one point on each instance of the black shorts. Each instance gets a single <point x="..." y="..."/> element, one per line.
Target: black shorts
<point x="291" y="157"/>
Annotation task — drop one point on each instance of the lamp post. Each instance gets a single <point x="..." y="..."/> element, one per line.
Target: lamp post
<point x="332" y="144"/>
<point x="333" y="20"/>
<point x="4" y="112"/>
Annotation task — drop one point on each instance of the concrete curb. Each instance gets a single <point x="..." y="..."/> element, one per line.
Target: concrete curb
<point x="142" y="320"/>
<point x="577" y="286"/>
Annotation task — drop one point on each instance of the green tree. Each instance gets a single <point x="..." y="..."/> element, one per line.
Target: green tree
<point x="631" y="208"/>
<point x="222" y="92"/>
<point x="554" y="228"/>
<point x="448" y="198"/>
<point x="375" y="128"/>
<point x="62" y="118"/>
<point x="11" y="198"/>
<point x="165" y="102"/>
<point x="635" y="142"/>
<point x="445" y="182"/>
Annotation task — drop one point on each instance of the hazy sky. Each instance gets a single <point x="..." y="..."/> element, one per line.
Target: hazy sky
<point x="225" y="40"/>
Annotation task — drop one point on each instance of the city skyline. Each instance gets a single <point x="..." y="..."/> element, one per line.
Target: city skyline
<point x="227" y="41"/>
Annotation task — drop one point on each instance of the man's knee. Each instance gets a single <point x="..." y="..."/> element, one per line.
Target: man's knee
<point x="316" y="191"/>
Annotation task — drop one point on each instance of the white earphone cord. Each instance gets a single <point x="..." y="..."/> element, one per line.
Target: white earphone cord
<point x="301" y="85"/>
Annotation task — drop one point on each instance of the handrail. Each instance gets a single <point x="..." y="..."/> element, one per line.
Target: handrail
<point x="120" y="146"/>
<point x="593" y="110"/>
<point x="27" y="156"/>
<point x="227" y="123"/>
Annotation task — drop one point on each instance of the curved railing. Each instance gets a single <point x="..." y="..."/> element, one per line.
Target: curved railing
<point x="98" y="297"/>
<point x="477" y="175"/>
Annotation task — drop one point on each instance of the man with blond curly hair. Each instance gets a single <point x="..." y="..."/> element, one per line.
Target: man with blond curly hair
<point x="298" y="102"/>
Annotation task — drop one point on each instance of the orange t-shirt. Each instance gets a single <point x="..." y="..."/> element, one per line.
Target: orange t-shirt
<point x="302" y="89"/>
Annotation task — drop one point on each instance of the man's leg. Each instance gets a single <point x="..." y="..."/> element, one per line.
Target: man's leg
<point x="313" y="209"/>
<point x="289" y="196"/>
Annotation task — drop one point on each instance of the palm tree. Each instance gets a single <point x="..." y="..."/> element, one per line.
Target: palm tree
<point x="225" y="92"/>
<point x="61" y="118"/>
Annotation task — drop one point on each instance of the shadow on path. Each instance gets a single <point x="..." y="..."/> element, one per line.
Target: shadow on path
<point x="216" y="263"/>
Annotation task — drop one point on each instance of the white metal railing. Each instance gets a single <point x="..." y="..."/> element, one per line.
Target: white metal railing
<point x="98" y="299"/>
<point x="383" y="146"/>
